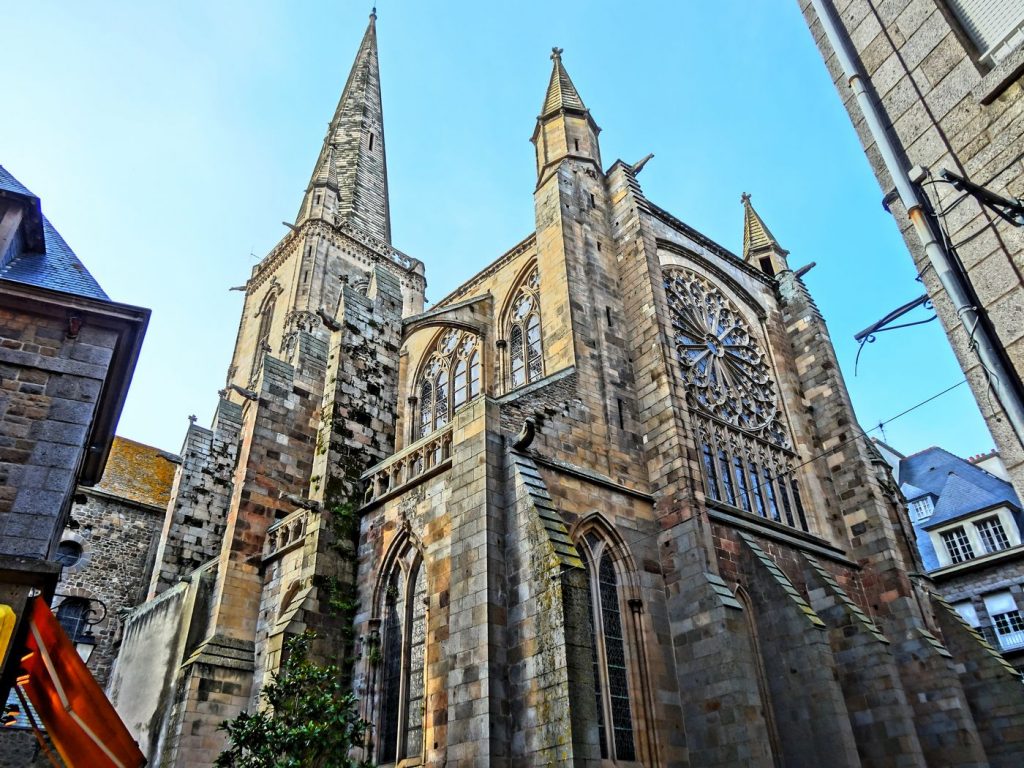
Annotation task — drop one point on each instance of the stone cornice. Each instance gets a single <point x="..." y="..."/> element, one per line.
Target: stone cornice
<point x="707" y="242"/>
<point x="388" y="256"/>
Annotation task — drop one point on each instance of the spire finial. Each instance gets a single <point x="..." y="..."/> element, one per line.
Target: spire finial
<point x="745" y="198"/>
<point x="556" y="53"/>
<point x="373" y="13"/>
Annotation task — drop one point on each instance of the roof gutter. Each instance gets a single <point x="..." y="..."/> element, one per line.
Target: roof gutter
<point x="986" y="344"/>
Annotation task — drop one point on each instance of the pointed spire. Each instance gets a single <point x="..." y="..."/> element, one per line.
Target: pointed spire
<point x="565" y="127"/>
<point x="350" y="177"/>
<point x="562" y="94"/>
<point x="756" y="235"/>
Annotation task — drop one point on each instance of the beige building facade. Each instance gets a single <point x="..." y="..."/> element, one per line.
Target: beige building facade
<point x="605" y="504"/>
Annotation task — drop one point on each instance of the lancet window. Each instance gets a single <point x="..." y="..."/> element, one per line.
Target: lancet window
<point x="266" y="315"/>
<point x="403" y="628"/>
<point x="525" y="361"/>
<point x="609" y="657"/>
<point x="745" y="453"/>
<point x="450" y="378"/>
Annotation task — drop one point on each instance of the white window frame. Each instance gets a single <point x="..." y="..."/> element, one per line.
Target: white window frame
<point x="1006" y="520"/>
<point x="996" y="27"/>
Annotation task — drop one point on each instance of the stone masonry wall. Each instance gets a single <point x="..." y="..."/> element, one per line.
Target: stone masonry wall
<point x="196" y="514"/>
<point x="118" y="540"/>
<point x="946" y="110"/>
<point x="49" y="386"/>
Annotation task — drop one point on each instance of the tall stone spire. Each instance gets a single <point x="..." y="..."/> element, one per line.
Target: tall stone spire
<point x="760" y="248"/>
<point x="350" y="179"/>
<point x="564" y="127"/>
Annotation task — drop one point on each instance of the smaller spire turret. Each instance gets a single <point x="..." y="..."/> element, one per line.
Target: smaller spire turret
<point x="562" y="94"/>
<point x="760" y="248"/>
<point x="564" y="127"/>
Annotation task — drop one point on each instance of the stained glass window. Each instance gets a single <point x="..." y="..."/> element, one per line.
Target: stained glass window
<point x="611" y="671"/>
<point x="726" y="373"/>
<point x="417" y="645"/>
<point x="266" y="315"/>
<point x="402" y="660"/>
<point x="747" y="458"/>
<point x="391" y="660"/>
<point x="450" y="378"/>
<point x="525" y="345"/>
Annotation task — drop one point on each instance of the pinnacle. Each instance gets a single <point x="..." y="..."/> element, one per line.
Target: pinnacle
<point x="756" y="235"/>
<point x="562" y="94"/>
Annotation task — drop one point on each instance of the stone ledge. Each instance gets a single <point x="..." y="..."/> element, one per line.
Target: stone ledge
<point x="999" y="79"/>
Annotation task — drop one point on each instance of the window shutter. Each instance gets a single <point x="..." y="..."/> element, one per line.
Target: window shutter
<point x="999" y="602"/>
<point x="995" y="26"/>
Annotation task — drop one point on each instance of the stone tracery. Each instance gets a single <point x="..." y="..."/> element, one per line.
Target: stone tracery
<point x="746" y="458"/>
<point x="450" y="378"/>
<point x="525" y="351"/>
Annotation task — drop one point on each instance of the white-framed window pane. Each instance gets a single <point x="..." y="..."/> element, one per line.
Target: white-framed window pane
<point x="995" y="26"/>
<point x="993" y="537"/>
<point x="921" y="509"/>
<point x="958" y="545"/>
<point x="967" y="610"/>
<point x="999" y="602"/>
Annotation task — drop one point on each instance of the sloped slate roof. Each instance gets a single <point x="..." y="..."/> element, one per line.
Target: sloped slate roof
<point x="138" y="472"/>
<point x="57" y="268"/>
<point x="959" y="498"/>
<point x="959" y="487"/>
<point x="10" y="184"/>
<point x="912" y="491"/>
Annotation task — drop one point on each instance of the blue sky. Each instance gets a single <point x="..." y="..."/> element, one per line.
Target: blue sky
<point x="169" y="140"/>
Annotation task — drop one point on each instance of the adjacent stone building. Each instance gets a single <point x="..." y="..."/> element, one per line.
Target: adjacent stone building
<point x="67" y="353"/>
<point x="968" y="522"/>
<point x="109" y="547"/>
<point x="940" y="81"/>
<point x="605" y="504"/>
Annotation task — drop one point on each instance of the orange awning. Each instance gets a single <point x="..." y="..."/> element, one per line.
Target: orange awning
<point x="84" y="727"/>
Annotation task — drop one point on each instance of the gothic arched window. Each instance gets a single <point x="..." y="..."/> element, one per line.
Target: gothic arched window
<point x="266" y="315"/>
<point x="611" y="673"/>
<point x="525" y="349"/>
<point x="403" y="627"/>
<point x="450" y="378"/>
<point x="745" y="452"/>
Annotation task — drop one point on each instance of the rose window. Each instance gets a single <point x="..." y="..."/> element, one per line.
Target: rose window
<point x="723" y="366"/>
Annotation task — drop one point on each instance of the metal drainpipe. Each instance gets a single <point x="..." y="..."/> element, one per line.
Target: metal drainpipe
<point x="986" y="345"/>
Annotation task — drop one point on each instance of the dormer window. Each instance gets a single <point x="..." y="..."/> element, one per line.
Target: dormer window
<point x="921" y="509"/>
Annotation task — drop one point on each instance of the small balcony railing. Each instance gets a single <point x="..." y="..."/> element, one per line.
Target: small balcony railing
<point x="409" y="466"/>
<point x="1011" y="641"/>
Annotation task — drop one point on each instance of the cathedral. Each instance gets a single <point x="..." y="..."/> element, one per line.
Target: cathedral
<point x="607" y="503"/>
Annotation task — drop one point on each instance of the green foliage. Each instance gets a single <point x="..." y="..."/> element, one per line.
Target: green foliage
<point x="310" y="720"/>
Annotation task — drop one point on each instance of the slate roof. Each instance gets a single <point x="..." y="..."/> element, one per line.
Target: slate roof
<point x="10" y="184"/>
<point x="57" y="268"/>
<point x="958" y="498"/>
<point x="138" y="472"/>
<point x="959" y="488"/>
<point x="912" y="491"/>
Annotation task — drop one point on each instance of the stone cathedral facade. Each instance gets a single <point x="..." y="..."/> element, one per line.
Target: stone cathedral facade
<point x="605" y="504"/>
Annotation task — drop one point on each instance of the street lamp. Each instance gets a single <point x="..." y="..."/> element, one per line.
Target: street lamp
<point x="78" y="615"/>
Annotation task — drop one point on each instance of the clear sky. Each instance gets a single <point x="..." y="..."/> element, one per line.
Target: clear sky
<point x="169" y="140"/>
